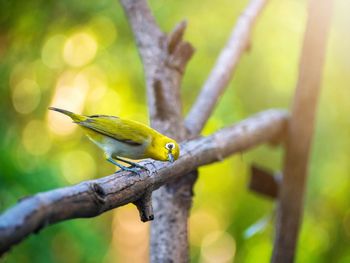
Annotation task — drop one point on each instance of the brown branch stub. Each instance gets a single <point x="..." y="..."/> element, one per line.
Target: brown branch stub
<point x="264" y="182"/>
<point x="182" y="54"/>
<point x="224" y="68"/>
<point x="175" y="37"/>
<point x="300" y="131"/>
<point x="79" y="201"/>
<point x="144" y="205"/>
<point x="179" y="52"/>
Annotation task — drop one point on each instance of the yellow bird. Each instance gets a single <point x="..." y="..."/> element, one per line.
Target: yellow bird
<point x="125" y="138"/>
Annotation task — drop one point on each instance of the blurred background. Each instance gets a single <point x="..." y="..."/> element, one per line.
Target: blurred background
<point x="81" y="56"/>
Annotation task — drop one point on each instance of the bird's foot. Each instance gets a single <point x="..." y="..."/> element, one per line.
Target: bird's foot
<point x="131" y="169"/>
<point x="133" y="164"/>
<point x="136" y="165"/>
<point x="124" y="168"/>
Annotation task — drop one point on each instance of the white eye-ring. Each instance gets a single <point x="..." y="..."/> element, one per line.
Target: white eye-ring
<point x="170" y="146"/>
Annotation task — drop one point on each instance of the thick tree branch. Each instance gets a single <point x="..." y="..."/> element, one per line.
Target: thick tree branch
<point x="91" y="198"/>
<point x="164" y="58"/>
<point x="224" y="68"/>
<point x="300" y="131"/>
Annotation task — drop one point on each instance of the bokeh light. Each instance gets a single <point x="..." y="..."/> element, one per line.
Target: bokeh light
<point x="51" y="53"/>
<point x="71" y="91"/>
<point x="202" y="222"/>
<point x="218" y="247"/>
<point x="130" y="236"/>
<point x="105" y="30"/>
<point x="26" y="96"/>
<point x="79" y="49"/>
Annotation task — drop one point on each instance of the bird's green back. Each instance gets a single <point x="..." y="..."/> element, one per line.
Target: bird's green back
<point x="127" y="131"/>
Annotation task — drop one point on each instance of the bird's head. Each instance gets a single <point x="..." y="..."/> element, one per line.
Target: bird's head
<point x="172" y="150"/>
<point x="165" y="149"/>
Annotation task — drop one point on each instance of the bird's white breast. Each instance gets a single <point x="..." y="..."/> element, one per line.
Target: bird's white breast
<point x="114" y="148"/>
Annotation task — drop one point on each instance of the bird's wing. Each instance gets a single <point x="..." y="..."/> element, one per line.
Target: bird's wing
<point x="129" y="132"/>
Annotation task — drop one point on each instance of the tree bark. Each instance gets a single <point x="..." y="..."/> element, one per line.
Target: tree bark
<point x="300" y="131"/>
<point x="91" y="198"/>
<point x="164" y="58"/>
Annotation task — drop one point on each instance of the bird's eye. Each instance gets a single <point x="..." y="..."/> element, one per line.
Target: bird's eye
<point x="170" y="146"/>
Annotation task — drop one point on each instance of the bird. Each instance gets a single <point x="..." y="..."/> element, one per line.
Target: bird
<point x="123" y="138"/>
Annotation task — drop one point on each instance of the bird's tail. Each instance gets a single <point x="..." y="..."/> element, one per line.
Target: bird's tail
<point x="75" y="117"/>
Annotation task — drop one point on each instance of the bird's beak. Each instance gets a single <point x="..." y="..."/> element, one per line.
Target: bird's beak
<point x="171" y="157"/>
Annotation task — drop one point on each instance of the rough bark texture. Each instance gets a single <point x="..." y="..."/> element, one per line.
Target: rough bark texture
<point x="300" y="131"/>
<point x="224" y="68"/>
<point x="91" y="198"/>
<point x="169" y="232"/>
<point x="164" y="58"/>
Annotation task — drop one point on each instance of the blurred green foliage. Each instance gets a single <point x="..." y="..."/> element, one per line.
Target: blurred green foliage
<point x="81" y="55"/>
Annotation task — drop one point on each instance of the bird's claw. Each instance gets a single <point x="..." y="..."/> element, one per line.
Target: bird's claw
<point x="134" y="169"/>
<point x="136" y="165"/>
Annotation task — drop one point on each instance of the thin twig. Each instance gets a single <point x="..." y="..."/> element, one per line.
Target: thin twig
<point x="224" y="68"/>
<point x="91" y="198"/>
<point x="300" y="131"/>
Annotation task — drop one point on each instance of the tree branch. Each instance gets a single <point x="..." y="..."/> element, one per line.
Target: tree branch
<point x="224" y="68"/>
<point x="91" y="198"/>
<point x="164" y="58"/>
<point x="300" y="131"/>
